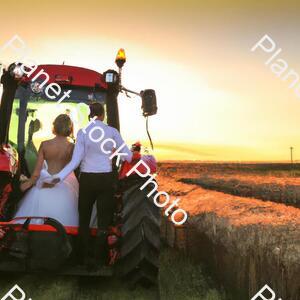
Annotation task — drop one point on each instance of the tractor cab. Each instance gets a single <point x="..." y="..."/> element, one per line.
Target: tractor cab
<point x="51" y="90"/>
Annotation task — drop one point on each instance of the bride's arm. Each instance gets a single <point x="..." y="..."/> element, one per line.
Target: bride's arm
<point x="37" y="170"/>
<point x="39" y="164"/>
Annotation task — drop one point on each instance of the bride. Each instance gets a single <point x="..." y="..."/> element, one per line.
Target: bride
<point x="61" y="201"/>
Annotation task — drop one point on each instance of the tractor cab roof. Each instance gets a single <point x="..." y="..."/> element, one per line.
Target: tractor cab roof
<point x="68" y="76"/>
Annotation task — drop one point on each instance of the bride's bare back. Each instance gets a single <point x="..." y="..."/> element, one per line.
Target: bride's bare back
<point x="57" y="153"/>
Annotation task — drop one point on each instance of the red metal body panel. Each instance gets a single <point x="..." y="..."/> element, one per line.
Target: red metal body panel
<point x="70" y="230"/>
<point x="8" y="159"/>
<point x="70" y="75"/>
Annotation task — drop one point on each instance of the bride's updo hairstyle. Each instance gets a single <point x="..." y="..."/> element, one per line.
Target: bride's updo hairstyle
<point x="63" y="125"/>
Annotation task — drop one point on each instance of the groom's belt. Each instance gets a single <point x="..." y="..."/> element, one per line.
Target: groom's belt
<point x="93" y="173"/>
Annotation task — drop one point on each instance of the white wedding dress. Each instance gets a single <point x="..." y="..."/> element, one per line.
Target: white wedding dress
<point x="59" y="202"/>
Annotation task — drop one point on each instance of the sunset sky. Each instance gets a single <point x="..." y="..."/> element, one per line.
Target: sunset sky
<point x="217" y="99"/>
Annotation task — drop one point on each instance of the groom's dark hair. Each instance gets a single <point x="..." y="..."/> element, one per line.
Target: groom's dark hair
<point x="96" y="110"/>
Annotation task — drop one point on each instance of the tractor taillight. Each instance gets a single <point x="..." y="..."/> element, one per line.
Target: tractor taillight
<point x="112" y="240"/>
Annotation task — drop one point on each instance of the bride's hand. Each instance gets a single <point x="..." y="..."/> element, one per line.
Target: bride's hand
<point x="55" y="181"/>
<point x="50" y="184"/>
<point x="47" y="185"/>
<point x="24" y="186"/>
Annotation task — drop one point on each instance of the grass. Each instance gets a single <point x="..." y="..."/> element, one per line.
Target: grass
<point x="179" y="278"/>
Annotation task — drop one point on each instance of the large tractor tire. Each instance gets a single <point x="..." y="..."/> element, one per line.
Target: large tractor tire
<point x="139" y="262"/>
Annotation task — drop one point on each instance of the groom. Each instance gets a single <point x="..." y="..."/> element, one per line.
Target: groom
<point x="96" y="183"/>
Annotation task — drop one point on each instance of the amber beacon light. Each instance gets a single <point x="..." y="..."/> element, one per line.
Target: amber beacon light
<point x="121" y="58"/>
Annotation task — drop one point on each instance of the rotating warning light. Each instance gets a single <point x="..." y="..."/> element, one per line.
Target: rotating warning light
<point x="121" y="58"/>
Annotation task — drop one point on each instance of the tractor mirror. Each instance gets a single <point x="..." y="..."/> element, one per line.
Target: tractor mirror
<point x="149" y="104"/>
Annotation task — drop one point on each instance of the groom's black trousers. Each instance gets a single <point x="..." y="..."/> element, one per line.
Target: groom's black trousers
<point x="99" y="188"/>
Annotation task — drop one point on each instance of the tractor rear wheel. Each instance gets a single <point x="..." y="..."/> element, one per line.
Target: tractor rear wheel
<point x="139" y="262"/>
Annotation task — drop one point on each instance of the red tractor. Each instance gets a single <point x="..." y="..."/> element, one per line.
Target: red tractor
<point x="26" y="109"/>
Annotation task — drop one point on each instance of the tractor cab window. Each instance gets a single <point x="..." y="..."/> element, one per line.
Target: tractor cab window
<point x="33" y="115"/>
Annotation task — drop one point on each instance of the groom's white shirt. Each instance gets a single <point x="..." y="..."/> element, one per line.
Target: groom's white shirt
<point x="92" y="153"/>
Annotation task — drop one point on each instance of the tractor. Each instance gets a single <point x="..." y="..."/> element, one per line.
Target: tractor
<point x="26" y="113"/>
